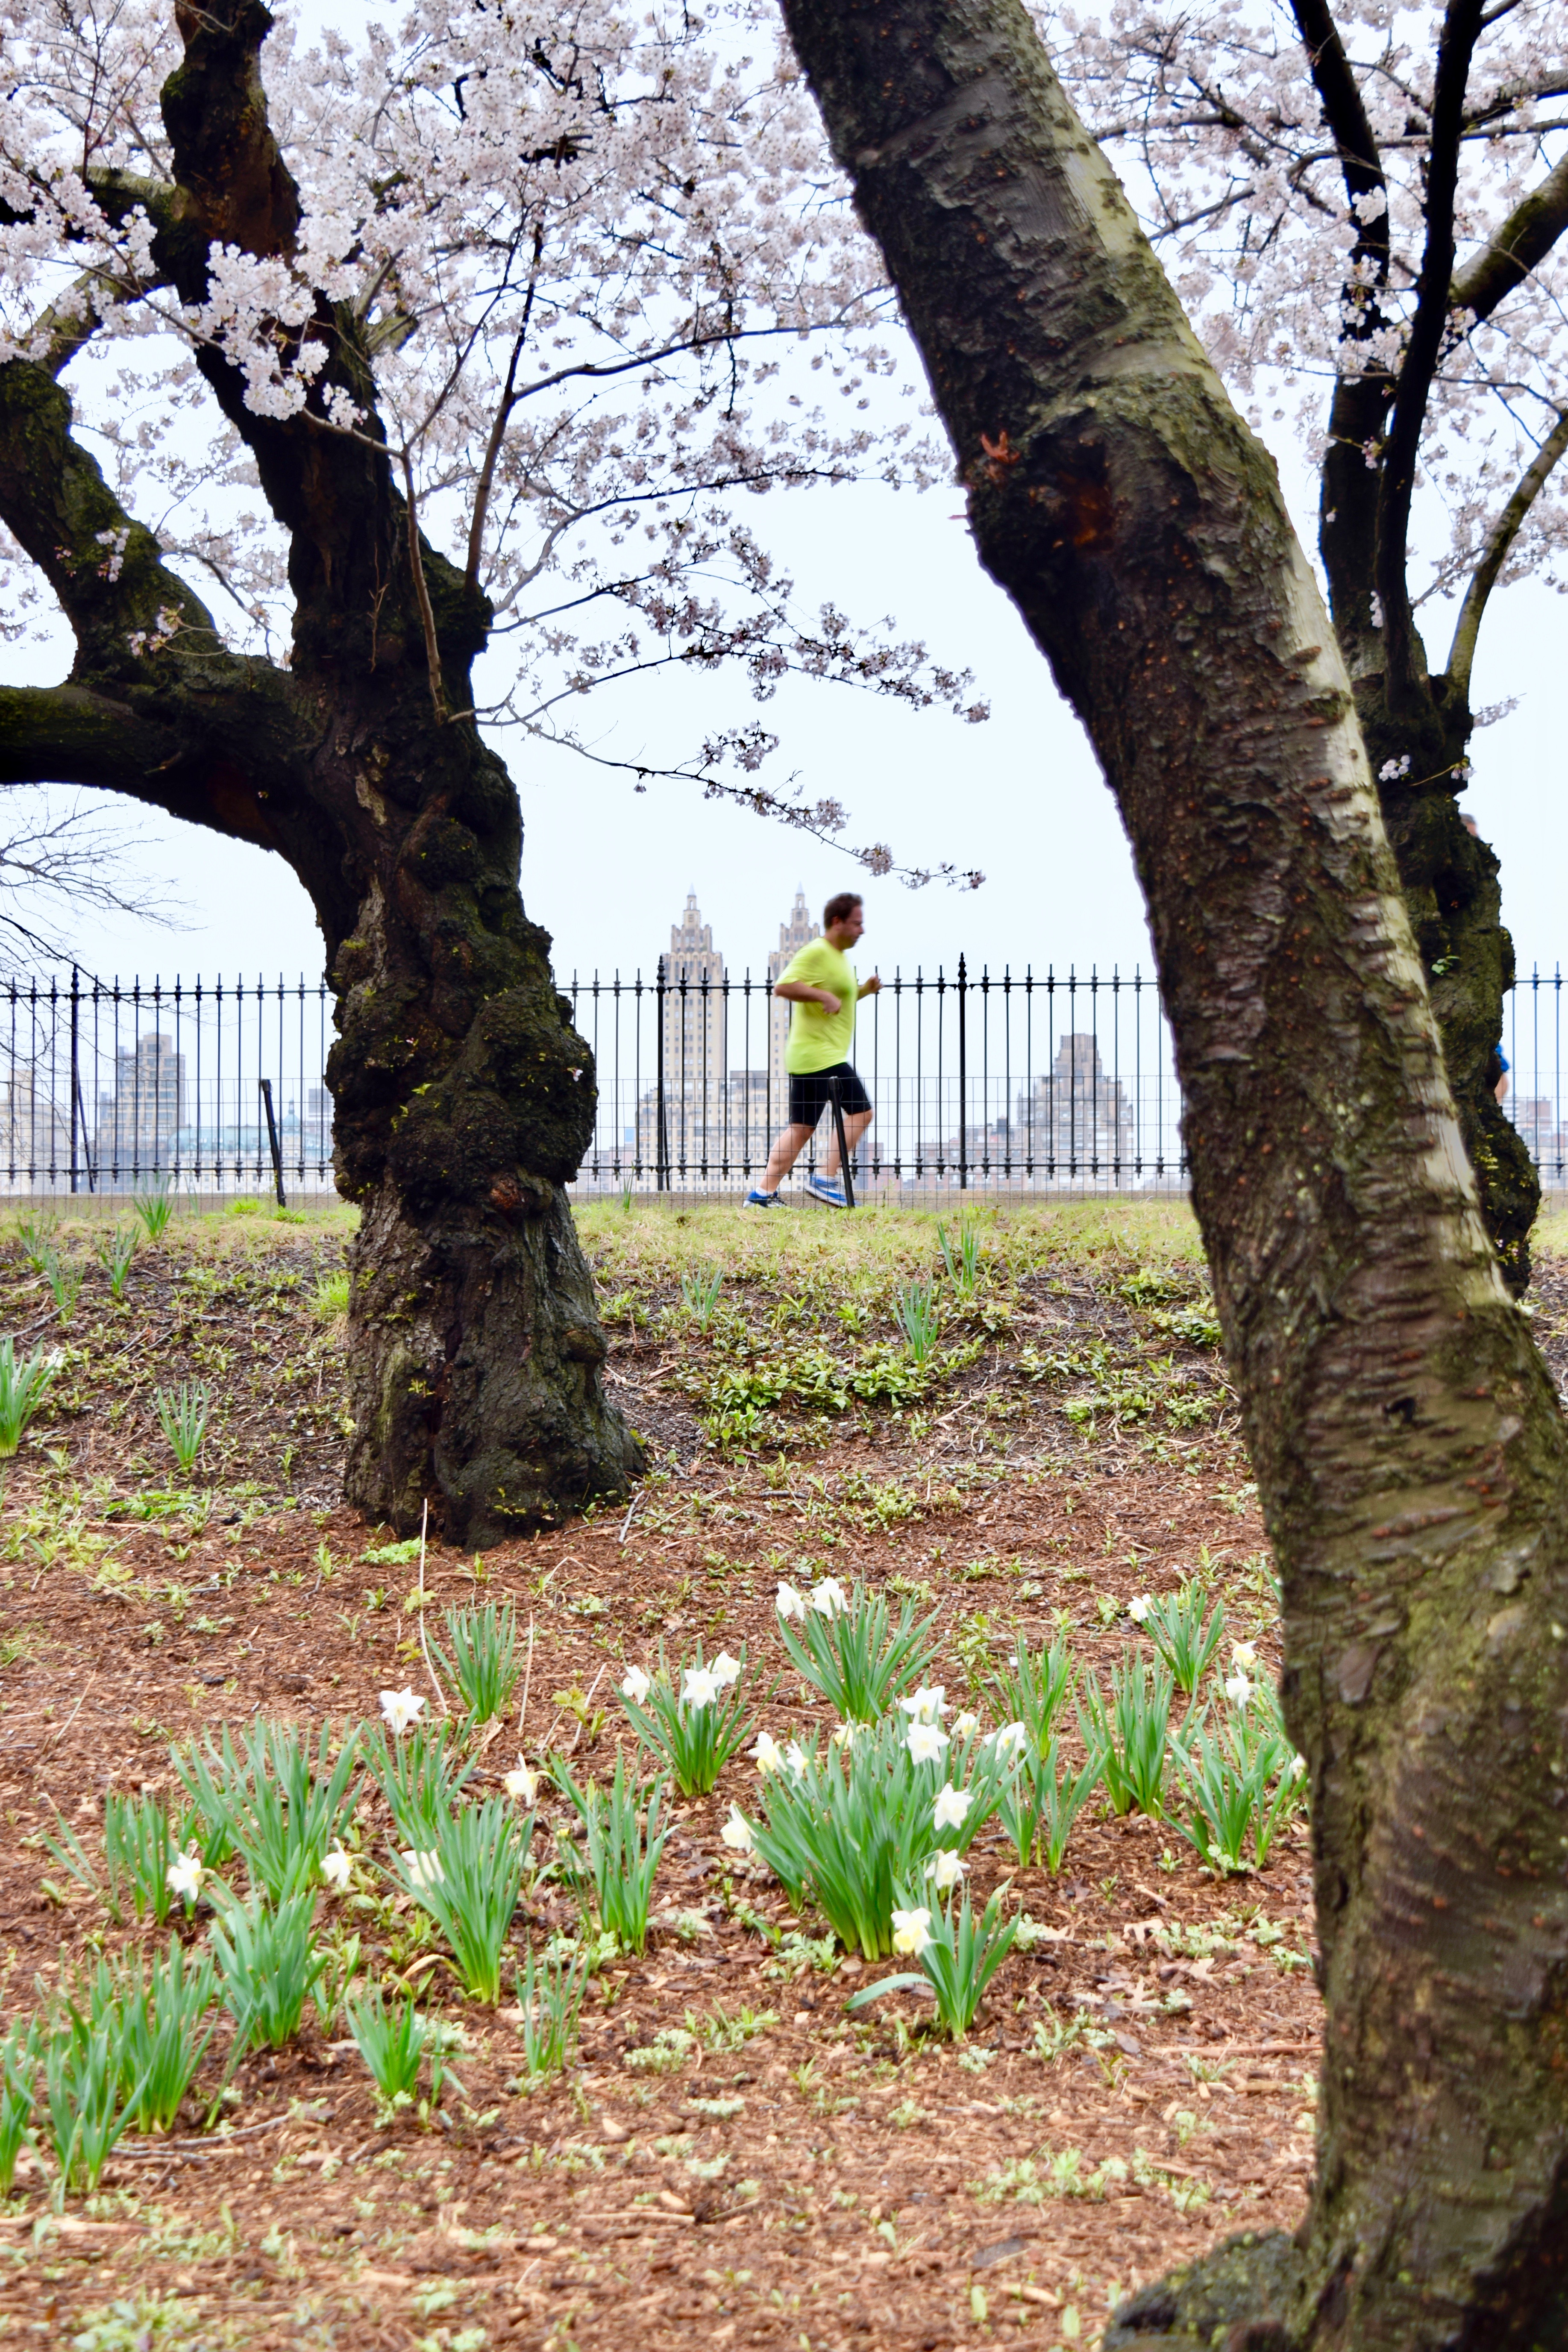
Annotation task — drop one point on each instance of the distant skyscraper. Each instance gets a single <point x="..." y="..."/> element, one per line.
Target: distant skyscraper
<point x="139" y="1125"/>
<point x="1077" y="1120"/>
<point x="797" y="933"/>
<point x="694" y="1042"/>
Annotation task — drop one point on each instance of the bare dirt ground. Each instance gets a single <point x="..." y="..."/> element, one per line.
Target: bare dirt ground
<point x="798" y="2176"/>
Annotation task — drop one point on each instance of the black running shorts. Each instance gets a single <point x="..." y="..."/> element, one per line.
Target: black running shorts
<point x="810" y="1094"/>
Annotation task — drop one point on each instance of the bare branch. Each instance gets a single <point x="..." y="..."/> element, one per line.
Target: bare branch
<point x="1505" y="530"/>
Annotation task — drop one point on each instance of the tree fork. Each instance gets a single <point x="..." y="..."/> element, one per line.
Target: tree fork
<point x="1410" y="1453"/>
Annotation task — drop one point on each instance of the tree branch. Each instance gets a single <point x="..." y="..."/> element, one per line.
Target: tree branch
<point x="1461" y="30"/>
<point x="1347" y="517"/>
<point x="1504" y="532"/>
<point x="1524" y="240"/>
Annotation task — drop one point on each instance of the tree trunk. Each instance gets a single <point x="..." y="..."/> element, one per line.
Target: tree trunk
<point x="1408" y="1445"/>
<point x="463" y="1099"/>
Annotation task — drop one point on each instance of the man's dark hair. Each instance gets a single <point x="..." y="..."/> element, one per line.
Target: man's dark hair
<point x="839" y="909"/>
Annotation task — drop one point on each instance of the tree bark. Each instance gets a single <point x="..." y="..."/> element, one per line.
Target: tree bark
<point x="463" y="1099"/>
<point x="1408" y="1444"/>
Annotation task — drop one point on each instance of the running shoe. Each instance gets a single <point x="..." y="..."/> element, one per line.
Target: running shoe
<point x="755" y="1200"/>
<point x="823" y="1189"/>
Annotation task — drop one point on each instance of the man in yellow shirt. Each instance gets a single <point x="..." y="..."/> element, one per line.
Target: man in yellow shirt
<point x="821" y="986"/>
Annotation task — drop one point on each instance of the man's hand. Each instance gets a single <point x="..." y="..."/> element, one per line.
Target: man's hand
<point x="872" y="987"/>
<point x="829" y="1002"/>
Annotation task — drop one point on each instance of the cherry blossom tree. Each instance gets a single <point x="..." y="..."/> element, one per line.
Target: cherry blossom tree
<point x="1410" y="1449"/>
<point x="1363" y="211"/>
<point x="360" y="398"/>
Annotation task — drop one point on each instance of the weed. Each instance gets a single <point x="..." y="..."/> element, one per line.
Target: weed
<point x="918" y="1318"/>
<point x="115" y="1253"/>
<point x="700" y="1288"/>
<point x="65" y="1280"/>
<point x="549" y="2001"/>
<point x="23" y="1387"/>
<point x="153" y="1211"/>
<point x="330" y="1299"/>
<point x="182" y="1415"/>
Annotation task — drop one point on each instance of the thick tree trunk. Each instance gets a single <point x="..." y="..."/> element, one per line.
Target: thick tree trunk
<point x="463" y="1098"/>
<point x="1409" y="1449"/>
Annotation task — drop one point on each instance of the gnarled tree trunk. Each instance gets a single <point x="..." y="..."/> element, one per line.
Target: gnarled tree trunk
<point x="463" y="1098"/>
<point x="1408" y="1445"/>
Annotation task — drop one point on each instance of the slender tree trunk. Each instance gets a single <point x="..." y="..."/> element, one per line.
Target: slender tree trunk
<point x="463" y="1098"/>
<point x="1408" y="1445"/>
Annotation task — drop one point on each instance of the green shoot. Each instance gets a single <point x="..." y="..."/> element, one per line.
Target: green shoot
<point x="183" y="1416"/>
<point x="23" y="1387"/>
<point x="154" y="1211"/>
<point x="115" y="1253"/>
<point x="549" y="1998"/>
<point x="483" y="1667"/>
<point x="623" y="1844"/>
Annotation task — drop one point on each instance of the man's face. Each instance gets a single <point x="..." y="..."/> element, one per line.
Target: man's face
<point x="849" y="927"/>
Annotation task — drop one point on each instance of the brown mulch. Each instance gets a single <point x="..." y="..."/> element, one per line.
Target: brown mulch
<point x="805" y="2178"/>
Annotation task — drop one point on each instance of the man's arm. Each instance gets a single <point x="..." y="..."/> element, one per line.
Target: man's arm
<point x="871" y="987"/>
<point x="801" y="991"/>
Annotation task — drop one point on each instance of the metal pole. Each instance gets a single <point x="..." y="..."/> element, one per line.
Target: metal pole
<point x="76" y="1071"/>
<point x="661" y="1136"/>
<point x="963" y="1083"/>
<point x="844" y="1168"/>
<point x="266" y="1084"/>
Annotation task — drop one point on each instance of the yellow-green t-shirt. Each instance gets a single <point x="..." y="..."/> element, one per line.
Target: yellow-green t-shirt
<point x="818" y="1039"/>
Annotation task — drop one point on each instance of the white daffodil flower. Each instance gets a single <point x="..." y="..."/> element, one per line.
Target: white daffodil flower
<point x="1238" y="1688"/>
<point x="1144" y="1607"/>
<point x="966" y="1725"/>
<point x="795" y="1757"/>
<point x="399" y="1709"/>
<point x="700" y="1688"/>
<point x="767" y="1755"/>
<point x="184" y="1875"/>
<point x="830" y="1598"/>
<point x="842" y="1734"/>
<point x="927" y="1741"/>
<point x="1295" y="1768"/>
<point x="522" y="1783"/>
<point x="424" y="1869"/>
<point x="736" y="1833"/>
<point x="635" y="1686"/>
<point x="927" y="1704"/>
<point x="1012" y="1739"/>
<point x="1244" y="1654"/>
<point x="335" y="1867"/>
<point x="725" y="1670"/>
<point x="950" y="1808"/>
<point x="791" y="1603"/>
<point x="910" y="1930"/>
<point x="944" y="1870"/>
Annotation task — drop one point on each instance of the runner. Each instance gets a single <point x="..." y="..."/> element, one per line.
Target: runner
<point x="821" y="986"/>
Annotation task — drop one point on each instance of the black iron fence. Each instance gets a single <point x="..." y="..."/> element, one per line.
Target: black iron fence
<point x="980" y="1082"/>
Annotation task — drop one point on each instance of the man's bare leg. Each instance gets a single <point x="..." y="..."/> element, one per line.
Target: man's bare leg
<point x="790" y="1143"/>
<point x="854" y="1126"/>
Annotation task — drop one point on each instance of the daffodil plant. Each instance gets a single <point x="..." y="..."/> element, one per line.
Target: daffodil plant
<point x="1242" y="1783"/>
<point x="694" y="1730"/>
<point x="1131" y="1730"/>
<point x="624" y="1830"/>
<point x="846" y="1647"/>
<point x="849" y="1825"/>
<point x="958" y="1956"/>
<point x="1177" y="1627"/>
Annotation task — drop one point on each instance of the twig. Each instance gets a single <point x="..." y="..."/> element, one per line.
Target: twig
<point x="587" y="1703"/>
<point x="70" y="1717"/>
<point x="440" y="1693"/>
<point x="625" y="1523"/>
<point x="527" y="1677"/>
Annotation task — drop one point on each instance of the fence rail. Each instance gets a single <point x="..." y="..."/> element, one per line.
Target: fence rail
<point x="980" y="1082"/>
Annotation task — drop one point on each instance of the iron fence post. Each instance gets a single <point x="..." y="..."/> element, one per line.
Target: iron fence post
<point x="963" y="1081"/>
<point x="661" y="1132"/>
<point x="75" y="1068"/>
